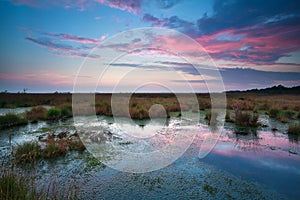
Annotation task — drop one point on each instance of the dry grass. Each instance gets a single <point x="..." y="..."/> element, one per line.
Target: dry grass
<point x="140" y="104"/>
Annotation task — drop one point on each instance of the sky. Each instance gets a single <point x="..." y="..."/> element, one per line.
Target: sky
<point x="49" y="46"/>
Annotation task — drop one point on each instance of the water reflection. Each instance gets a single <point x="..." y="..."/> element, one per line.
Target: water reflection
<point x="293" y="138"/>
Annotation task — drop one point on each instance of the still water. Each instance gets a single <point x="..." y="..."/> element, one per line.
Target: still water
<point x="261" y="164"/>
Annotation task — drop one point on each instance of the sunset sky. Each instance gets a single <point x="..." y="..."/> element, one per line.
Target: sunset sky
<point x="255" y="44"/>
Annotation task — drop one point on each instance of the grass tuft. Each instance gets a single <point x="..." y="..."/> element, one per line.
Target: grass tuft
<point x="294" y="129"/>
<point x="27" y="152"/>
<point x="245" y="118"/>
<point x="11" y="119"/>
<point x="36" y="113"/>
<point x="53" y="113"/>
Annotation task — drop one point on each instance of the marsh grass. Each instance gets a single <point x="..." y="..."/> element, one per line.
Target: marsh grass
<point x="20" y="184"/>
<point x="27" y="152"/>
<point x="294" y="129"/>
<point x="36" y="113"/>
<point x="282" y="115"/>
<point x="274" y="113"/>
<point x="11" y="119"/>
<point x="53" y="113"/>
<point x="55" y="146"/>
<point x="228" y="117"/>
<point x="246" y="118"/>
<point x="14" y="186"/>
<point x="66" y="110"/>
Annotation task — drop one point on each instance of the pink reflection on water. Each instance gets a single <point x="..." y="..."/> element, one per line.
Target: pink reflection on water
<point x="262" y="144"/>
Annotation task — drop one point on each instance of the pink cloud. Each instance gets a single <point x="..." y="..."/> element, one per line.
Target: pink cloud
<point x="78" y="39"/>
<point x="43" y="78"/>
<point x="31" y="3"/>
<point x="252" y="44"/>
<point x="132" y="6"/>
<point x="64" y="44"/>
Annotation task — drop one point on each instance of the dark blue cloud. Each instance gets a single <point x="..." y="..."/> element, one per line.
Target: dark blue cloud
<point x="230" y="14"/>
<point x="50" y="44"/>
<point x="172" y="22"/>
<point x="251" y="77"/>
